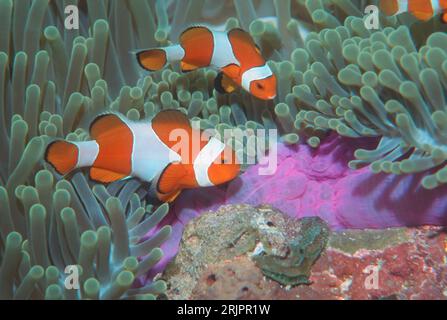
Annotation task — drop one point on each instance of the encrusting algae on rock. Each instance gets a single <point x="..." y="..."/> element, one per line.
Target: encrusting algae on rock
<point x="215" y="259"/>
<point x="283" y="248"/>
<point x="300" y="250"/>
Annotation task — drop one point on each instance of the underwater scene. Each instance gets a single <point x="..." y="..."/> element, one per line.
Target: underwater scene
<point x="223" y="149"/>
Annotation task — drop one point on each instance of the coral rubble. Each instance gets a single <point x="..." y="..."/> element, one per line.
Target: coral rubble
<point x="283" y="248"/>
<point x="395" y="263"/>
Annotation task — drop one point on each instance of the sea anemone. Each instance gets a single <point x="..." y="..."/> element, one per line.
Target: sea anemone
<point x="101" y="232"/>
<point x="380" y="85"/>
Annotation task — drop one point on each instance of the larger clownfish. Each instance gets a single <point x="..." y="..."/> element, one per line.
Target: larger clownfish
<point x="121" y="148"/>
<point x="234" y="53"/>
<point x="421" y="9"/>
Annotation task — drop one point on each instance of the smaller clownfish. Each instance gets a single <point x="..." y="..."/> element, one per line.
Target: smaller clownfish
<point x="421" y="9"/>
<point x="122" y="149"/>
<point x="233" y="53"/>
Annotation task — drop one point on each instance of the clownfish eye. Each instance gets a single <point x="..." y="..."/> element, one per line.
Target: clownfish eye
<point x="259" y="86"/>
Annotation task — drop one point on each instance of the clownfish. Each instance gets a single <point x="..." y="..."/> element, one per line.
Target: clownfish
<point x="122" y="149"/>
<point x="233" y="53"/>
<point x="421" y="9"/>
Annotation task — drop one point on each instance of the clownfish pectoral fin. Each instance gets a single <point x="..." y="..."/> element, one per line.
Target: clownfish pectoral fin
<point x="62" y="155"/>
<point x="166" y="187"/>
<point x="152" y="59"/>
<point x="223" y="84"/>
<point x="194" y="32"/>
<point x="170" y="178"/>
<point x="105" y="123"/>
<point x="105" y="176"/>
<point x="169" y="197"/>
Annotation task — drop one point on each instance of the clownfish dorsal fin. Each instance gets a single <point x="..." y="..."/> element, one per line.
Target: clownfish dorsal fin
<point x="168" y="120"/>
<point x="223" y="84"/>
<point x="245" y="49"/>
<point x="193" y="32"/>
<point x="105" y="176"/>
<point x="104" y="123"/>
<point x="197" y="41"/>
<point x="242" y="35"/>
<point x="169" y="197"/>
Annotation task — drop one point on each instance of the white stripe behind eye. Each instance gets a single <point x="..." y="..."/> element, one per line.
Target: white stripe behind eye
<point x="256" y="73"/>
<point x="204" y="159"/>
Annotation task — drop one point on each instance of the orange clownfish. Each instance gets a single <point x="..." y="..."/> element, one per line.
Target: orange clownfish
<point x="234" y="53"/>
<point x="121" y="149"/>
<point x="421" y="9"/>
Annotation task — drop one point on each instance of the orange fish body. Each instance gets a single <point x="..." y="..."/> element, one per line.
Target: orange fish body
<point x="147" y="150"/>
<point x="421" y="9"/>
<point x="234" y="53"/>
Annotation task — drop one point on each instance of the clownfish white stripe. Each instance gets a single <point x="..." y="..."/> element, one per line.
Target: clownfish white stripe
<point x="223" y="54"/>
<point x="256" y="73"/>
<point x="174" y="53"/>
<point x="204" y="159"/>
<point x="436" y="6"/>
<point x="403" y="6"/>
<point x="149" y="154"/>
<point x="87" y="153"/>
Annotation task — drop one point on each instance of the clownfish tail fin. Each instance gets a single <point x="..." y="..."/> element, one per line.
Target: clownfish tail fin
<point x="156" y="59"/>
<point x="62" y="155"/>
<point x="152" y="59"/>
